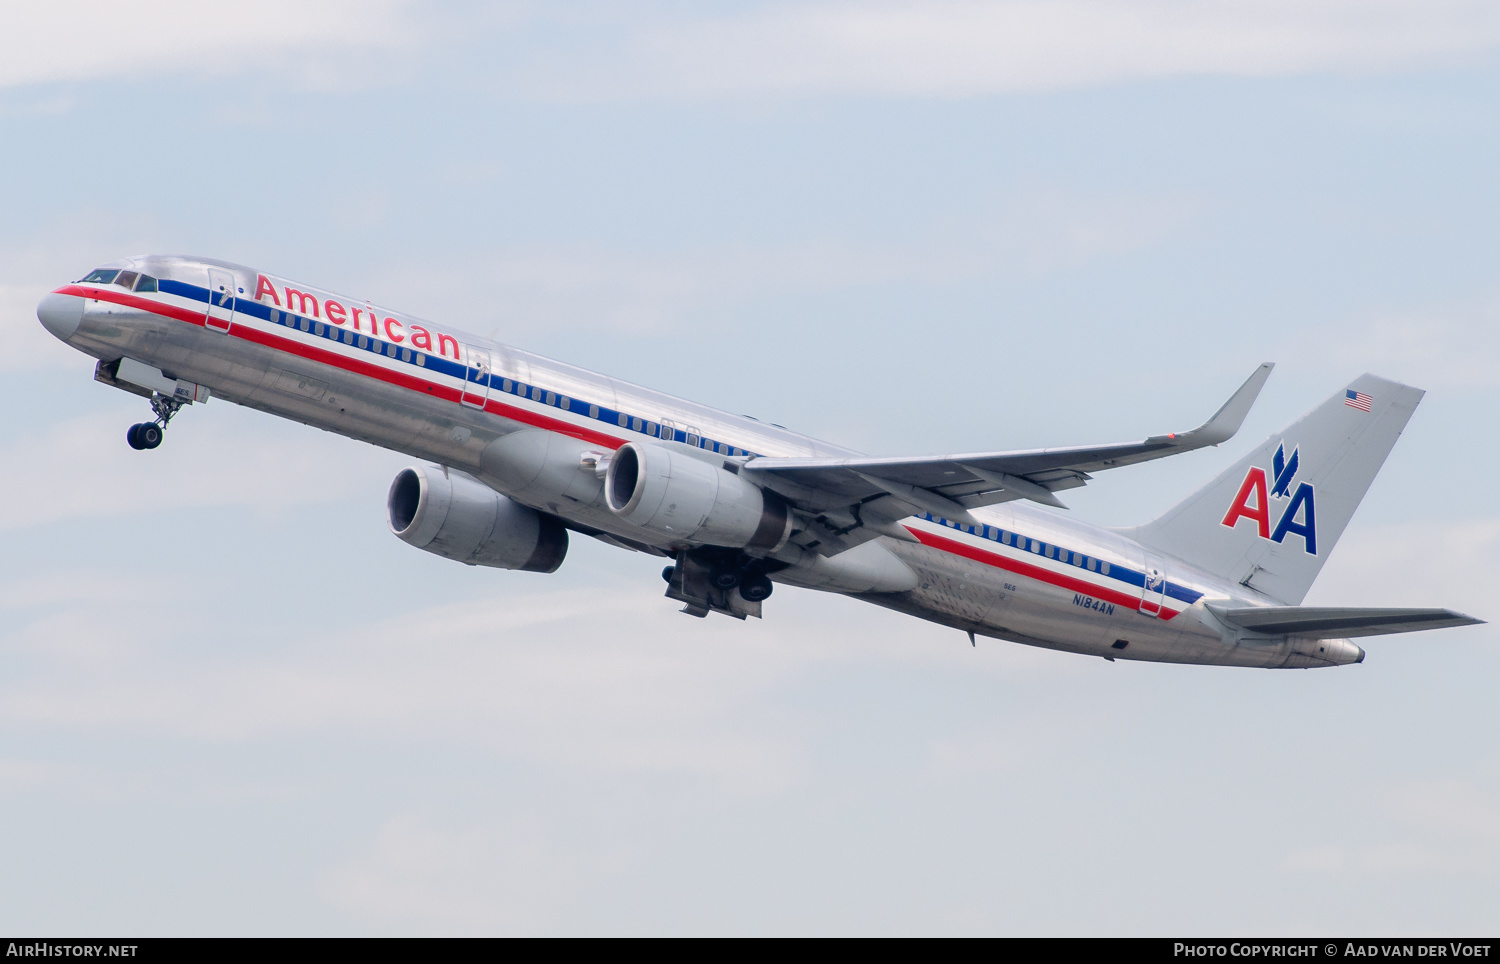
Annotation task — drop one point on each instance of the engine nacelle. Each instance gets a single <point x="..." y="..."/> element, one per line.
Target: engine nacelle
<point x="464" y="520"/>
<point x="673" y="495"/>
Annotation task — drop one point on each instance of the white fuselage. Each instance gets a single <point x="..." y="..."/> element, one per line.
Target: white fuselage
<point x="438" y="394"/>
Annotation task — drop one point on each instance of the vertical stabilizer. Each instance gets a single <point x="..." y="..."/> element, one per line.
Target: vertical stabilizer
<point x="1271" y="521"/>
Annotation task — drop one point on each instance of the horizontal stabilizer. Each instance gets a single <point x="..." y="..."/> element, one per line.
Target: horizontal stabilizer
<point x="1339" y="622"/>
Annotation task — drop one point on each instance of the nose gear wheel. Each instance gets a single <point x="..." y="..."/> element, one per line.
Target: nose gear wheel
<point x="148" y="435"/>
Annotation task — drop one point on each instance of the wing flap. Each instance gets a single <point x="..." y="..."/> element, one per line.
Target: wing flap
<point x="1339" y="622"/>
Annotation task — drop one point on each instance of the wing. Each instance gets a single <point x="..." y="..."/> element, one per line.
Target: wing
<point x="853" y="494"/>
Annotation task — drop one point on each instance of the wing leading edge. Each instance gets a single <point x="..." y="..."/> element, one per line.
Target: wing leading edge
<point x="950" y="485"/>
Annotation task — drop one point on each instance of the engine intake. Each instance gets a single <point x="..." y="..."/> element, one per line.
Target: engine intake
<point x="458" y="518"/>
<point x="676" y="496"/>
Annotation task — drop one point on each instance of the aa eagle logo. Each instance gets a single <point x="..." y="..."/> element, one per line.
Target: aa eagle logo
<point x="1298" y="515"/>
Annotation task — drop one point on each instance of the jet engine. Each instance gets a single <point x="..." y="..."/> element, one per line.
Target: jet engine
<point x="674" y="495"/>
<point x="458" y="518"/>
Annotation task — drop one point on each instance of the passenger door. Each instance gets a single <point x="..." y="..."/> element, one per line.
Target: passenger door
<point x="1153" y="586"/>
<point x="476" y="378"/>
<point x="221" y="301"/>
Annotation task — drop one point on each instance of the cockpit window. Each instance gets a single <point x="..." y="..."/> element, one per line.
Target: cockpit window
<point x="126" y="279"/>
<point x="147" y="283"/>
<point x="101" y="276"/>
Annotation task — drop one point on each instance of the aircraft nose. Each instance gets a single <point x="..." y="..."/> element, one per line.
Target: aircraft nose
<point x="60" y="314"/>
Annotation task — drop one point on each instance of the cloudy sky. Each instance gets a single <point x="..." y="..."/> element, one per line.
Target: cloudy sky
<point x="231" y="702"/>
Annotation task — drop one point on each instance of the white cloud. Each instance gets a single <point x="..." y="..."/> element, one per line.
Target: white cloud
<point x="1320" y="859"/>
<point x="945" y="48"/>
<point x="956" y="48"/>
<point x="1444" y="825"/>
<point x="82" y="467"/>
<point x="1454" y="810"/>
<point x="29" y="346"/>
<point x="66" y="40"/>
<point x="1033" y="231"/>
<point x="1454" y="345"/>
<point x="1430" y="563"/>
<point x="604" y="680"/>
<point x="548" y="686"/>
<point x="490" y="880"/>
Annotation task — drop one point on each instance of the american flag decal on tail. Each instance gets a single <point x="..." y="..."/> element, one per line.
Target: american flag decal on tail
<point x="1357" y="400"/>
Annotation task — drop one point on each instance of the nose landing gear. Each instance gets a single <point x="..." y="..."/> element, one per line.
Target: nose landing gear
<point x="148" y="435"/>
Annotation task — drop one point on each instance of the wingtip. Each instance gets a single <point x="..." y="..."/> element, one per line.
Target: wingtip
<point x="1231" y="415"/>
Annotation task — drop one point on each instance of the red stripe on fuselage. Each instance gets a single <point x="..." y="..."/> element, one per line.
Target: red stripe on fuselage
<point x="337" y="360"/>
<point x="134" y="301"/>
<point x="1033" y="572"/>
<point x="537" y="420"/>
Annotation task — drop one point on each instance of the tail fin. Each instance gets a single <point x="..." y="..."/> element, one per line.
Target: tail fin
<point x="1271" y="521"/>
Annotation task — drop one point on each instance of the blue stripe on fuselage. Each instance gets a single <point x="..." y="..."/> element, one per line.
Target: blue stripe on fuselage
<point x="616" y="419"/>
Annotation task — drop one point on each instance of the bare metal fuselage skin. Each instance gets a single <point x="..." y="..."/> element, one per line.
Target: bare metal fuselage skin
<point x="1032" y="576"/>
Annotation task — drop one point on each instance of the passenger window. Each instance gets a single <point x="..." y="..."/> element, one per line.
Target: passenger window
<point x="101" y="276"/>
<point x="505" y="385"/>
<point x="364" y="342"/>
<point x="536" y="393"/>
<point x="551" y="398"/>
<point x="147" y="283"/>
<point x="317" y="328"/>
<point x="1104" y="568"/>
<point x="126" y="279"/>
<point x="406" y="354"/>
<point x="421" y="359"/>
<point x="303" y="324"/>
<point x="564" y="403"/>
<point x="348" y="338"/>
<point x="635" y="424"/>
<point x="624" y="420"/>
<point x="651" y="428"/>
<point x="593" y="411"/>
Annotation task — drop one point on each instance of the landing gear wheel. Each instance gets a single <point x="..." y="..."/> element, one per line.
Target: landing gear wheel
<point x="725" y="578"/>
<point x="756" y="588"/>
<point x="133" y="436"/>
<point x="148" y="434"/>
<point x="668" y="573"/>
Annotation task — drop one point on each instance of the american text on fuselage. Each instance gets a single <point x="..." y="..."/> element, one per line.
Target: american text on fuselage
<point x="515" y="452"/>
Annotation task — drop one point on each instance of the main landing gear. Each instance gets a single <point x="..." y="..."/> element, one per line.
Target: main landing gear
<point x="148" y="435"/>
<point x="754" y="586"/>
<point x="724" y="581"/>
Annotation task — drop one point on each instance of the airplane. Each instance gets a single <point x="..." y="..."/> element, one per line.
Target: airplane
<point x="515" y="451"/>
